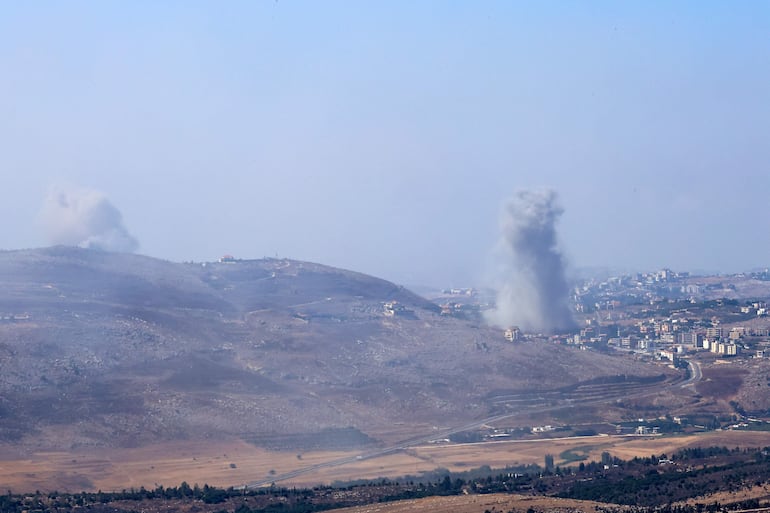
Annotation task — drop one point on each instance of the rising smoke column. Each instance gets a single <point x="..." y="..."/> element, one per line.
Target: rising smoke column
<point x="532" y="289"/>
<point x="85" y="218"/>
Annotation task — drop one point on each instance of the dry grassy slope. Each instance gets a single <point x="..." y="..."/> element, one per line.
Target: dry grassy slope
<point x="123" y="350"/>
<point x="480" y="503"/>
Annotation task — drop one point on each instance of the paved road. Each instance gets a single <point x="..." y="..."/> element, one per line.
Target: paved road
<point x="423" y="439"/>
<point x="695" y="374"/>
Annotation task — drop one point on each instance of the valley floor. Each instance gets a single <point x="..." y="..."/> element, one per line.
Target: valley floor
<point x="235" y="463"/>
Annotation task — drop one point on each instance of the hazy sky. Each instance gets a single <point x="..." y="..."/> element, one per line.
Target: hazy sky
<point x="385" y="137"/>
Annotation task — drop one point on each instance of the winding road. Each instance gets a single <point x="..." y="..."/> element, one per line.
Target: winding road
<point x="695" y="374"/>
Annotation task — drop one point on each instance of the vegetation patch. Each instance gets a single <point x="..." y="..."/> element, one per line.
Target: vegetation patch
<point x="575" y="454"/>
<point x="324" y="440"/>
<point x="721" y="381"/>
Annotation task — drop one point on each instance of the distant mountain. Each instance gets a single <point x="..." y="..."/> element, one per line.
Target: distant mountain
<point x="114" y="349"/>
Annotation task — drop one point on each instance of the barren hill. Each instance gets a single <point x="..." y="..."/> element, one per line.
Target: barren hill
<point x="104" y="349"/>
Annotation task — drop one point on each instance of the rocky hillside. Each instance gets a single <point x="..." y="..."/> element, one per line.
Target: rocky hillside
<point x="112" y="349"/>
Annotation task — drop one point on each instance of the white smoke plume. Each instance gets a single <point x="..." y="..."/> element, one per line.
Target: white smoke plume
<point x="85" y="218"/>
<point x="530" y="281"/>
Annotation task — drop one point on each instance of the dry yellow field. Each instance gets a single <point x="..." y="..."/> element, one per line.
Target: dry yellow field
<point x="761" y="492"/>
<point x="477" y="504"/>
<point x="233" y="463"/>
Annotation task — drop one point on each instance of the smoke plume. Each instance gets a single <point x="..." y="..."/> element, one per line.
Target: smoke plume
<point x="532" y="289"/>
<point x="85" y="218"/>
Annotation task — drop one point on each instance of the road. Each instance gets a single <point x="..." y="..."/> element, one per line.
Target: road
<point x="423" y="439"/>
<point x="695" y="374"/>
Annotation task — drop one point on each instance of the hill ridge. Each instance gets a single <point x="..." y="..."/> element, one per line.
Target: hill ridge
<point x="123" y="350"/>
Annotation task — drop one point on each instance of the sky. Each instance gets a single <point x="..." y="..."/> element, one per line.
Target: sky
<point x="386" y="137"/>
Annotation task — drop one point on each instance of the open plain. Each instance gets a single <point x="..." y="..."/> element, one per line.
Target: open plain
<point x="236" y="463"/>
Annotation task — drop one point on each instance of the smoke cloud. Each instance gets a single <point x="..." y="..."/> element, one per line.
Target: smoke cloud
<point x="530" y="280"/>
<point x="85" y="218"/>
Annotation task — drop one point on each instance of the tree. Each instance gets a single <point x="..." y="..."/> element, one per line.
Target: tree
<point x="549" y="461"/>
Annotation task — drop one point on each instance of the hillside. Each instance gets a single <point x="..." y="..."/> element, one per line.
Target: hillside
<point x="116" y="350"/>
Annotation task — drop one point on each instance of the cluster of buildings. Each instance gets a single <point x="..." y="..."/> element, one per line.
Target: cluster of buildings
<point x="393" y="308"/>
<point x="459" y="309"/>
<point x="459" y="292"/>
<point x="669" y="338"/>
<point x="609" y="296"/>
<point x="758" y="307"/>
<point x="665" y="314"/>
<point x="647" y="430"/>
<point x="664" y="339"/>
<point x="722" y="348"/>
<point x="511" y="334"/>
<point x="669" y="346"/>
<point x="617" y="290"/>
